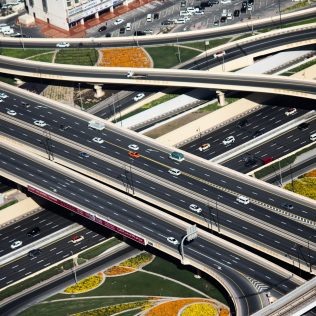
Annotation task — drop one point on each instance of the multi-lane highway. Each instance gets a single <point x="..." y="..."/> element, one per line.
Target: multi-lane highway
<point x="227" y="263"/>
<point x="158" y="183"/>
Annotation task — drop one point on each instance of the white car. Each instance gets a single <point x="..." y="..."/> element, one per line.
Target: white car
<point x="229" y="16"/>
<point x="195" y="208"/>
<point x="3" y="95"/>
<point x="173" y="240"/>
<point x="119" y="21"/>
<point x="226" y="1"/>
<point x="174" y="171"/>
<point x="62" y="45"/>
<point x="1" y="100"/>
<point x="40" y="123"/>
<point x="133" y="147"/>
<point x="199" y="13"/>
<point x="148" y="31"/>
<point x="291" y="111"/>
<point x="219" y="54"/>
<point x="11" y="112"/>
<point x="139" y="96"/>
<point x="249" y="7"/>
<point x="16" y="244"/>
<point x="204" y="147"/>
<point x="229" y="140"/>
<point x="180" y="21"/>
<point x="98" y="140"/>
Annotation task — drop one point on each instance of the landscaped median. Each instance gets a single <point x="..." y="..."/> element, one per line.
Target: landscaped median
<point x="86" y="284"/>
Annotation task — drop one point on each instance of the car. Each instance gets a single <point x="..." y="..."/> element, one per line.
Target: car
<point x="174" y="171"/>
<point x="119" y="21"/>
<point x="34" y="253"/>
<point x="229" y="140"/>
<point x="180" y="21"/>
<point x="183" y="4"/>
<point x="33" y="232"/>
<point x="40" y="123"/>
<point x="266" y="160"/>
<point x="11" y="112"/>
<point x="134" y="154"/>
<point x="243" y="199"/>
<point x="148" y="31"/>
<point x="1" y="100"/>
<point x="108" y="35"/>
<point x="303" y="126"/>
<point x="167" y="22"/>
<point x="242" y="123"/>
<point x="133" y="147"/>
<point x="249" y="7"/>
<point x="173" y="240"/>
<point x="229" y="16"/>
<point x="191" y="9"/>
<point x="76" y="238"/>
<point x="236" y="13"/>
<point x="62" y="45"/>
<point x="3" y="95"/>
<point x="250" y="161"/>
<point x="199" y="12"/>
<point x="312" y="137"/>
<point x="156" y="16"/>
<point x="211" y="2"/>
<point x="219" y="54"/>
<point x="16" y="244"/>
<point x="205" y="4"/>
<point x="223" y="19"/>
<point x="84" y="155"/>
<point x="186" y="18"/>
<point x="216" y="23"/>
<point x="204" y="147"/>
<point x="243" y="9"/>
<point x="102" y="28"/>
<point x="139" y="96"/>
<point x="244" y="4"/>
<point x="226" y="1"/>
<point x="122" y="30"/>
<point x="257" y="133"/>
<point x="287" y="206"/>
<point x="250" y="1"/>
<point x="98" y="140"/>
<point x="195" y="208"/>
<point x="290" y="111"/>
<point x="139" y="33"/>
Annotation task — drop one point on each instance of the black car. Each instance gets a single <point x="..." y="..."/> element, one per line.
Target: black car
<point x="257" y="133"/>
<point x="216" y="23"/>
<point x="243" y="10"/>
<point x="139" y="33"/>
<point x="122" y="30"/>
<point x="156" y="16"/>
<point x="34" y="253"/>
<point x="243" y="123"/>
<point x="250" y="2"/>
<point x="236" y="13"/>
<point x="249" y="162"/>
<point x="205" y="4"/>
<point x="84" y="155"/>
<point x="212" y="2"/>
<point x="166" y="22"/>
<point x="223" y="19"/>
<point x="108" y="35"/>
<point x="102" y="28"/>
<point x="288" y="206"/>
<point x="183" y="4"/>
<point x="244" y="4"/>
<point x="303" y="126"/>
<point x="33" y="232"/>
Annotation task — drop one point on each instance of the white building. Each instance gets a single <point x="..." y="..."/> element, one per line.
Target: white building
<point x="68" y="13"/>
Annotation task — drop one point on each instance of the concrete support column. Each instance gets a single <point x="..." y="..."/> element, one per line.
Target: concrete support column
<point x="111" y="9"/>
<point x="221" y="97"/>
<point x="82" y="21"/>
<point x="98" y="91"/>
<point x="18" y="81"/>
<point x="96" y="15"/>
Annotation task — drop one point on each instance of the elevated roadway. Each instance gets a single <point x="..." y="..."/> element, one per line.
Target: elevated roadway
<point x="121" y="213"/>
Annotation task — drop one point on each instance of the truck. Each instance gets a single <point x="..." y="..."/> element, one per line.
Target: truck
<point x="132" y="75"/>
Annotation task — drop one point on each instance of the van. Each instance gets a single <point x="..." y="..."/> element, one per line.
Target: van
<point x="242" y="199"/>
<point x="312" y="137"/>
<point x="176" y="156"/>
<point x="149" y="17"/>
<point x="128" y="26"/>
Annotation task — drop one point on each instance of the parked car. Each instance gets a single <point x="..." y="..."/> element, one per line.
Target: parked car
<point x="156" y="16"/>
<point x="204" y="147"/>
<point x="223" y="19"/>
<point x="148" y="31"/>
<point x="173" y="240"/>
<point x="139" y="33"/>
<point x="133" y="147"/>
<point x="195" y="208"/>
<point x="236" y="13"/>
<point x="229" y="140"/>
<point x="216" y="23"/>
<point x="174" y="171"/>
<point x="122" y="30"/>
<point x="16" y="244"/>
<point x="243" y="9"/>
<point x="102" y="28"/>
<point x="290" y="111"/>
<point x="76" y="238"/>
<point x="98" y="140"/>
<point x="62" y="45"/>
<point x="33" y="232"/>
<point x="119" y="21"/>
<point x="134" y="154"/>
<point x="249" y="7"/>
<point x="229" y="16"/>
<point x="108" y="35"/>
<point x="167" y="22"/>
<point x="34" y="253"/>
<point x="40" y="123"/>
<point x="11" y="112"/>
<point x="183" y="4"/>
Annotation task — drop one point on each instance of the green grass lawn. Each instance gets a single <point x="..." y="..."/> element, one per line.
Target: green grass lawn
<point x="46" y="58"/>
<point x="171" y="270"/>
<point x="20" y="53"/>
<point x="138" y="283"/>
<point x="73" y="56"/>
<point x="8" y="204"/>
<point x="68" y="307"/>
<point x="299" y="68"/>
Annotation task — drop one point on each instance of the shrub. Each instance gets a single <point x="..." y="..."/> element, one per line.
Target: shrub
<point x="115" y="270"/>
<point x="304" y="186"/>
<point x="200" y="309"/>
<point x="224" y="312"/>
<point x="86" y="284"/>
<point x="135" y="262"/>
<point x="310" y="174"/>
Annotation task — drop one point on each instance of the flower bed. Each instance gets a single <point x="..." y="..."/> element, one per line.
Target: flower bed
<point x="86" y="284"/>
<point x="114" y="309"/>
<point x="304" y="186"/>
<point x="116" y="270"/>
<point x="224" y="312"/>
<point x="137" y="261"/>
<point x="200" y="309"/>
<point x="124" y="57"/>
<point x="311" y="174"/>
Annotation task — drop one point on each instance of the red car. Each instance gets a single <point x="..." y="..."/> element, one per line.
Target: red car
<point x="266" y="160"/>
<point x="76" y="238"/>
<point x="134" y="154"/>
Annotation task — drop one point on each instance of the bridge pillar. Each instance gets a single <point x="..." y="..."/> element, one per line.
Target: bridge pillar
<point x="111" y="9"/>
<point x="18" y="81"/>
<point x="82" y="21"/>
<point x="98" y="91"/>
<point x="221" y="97"/>
<point x="96" y="15"/>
